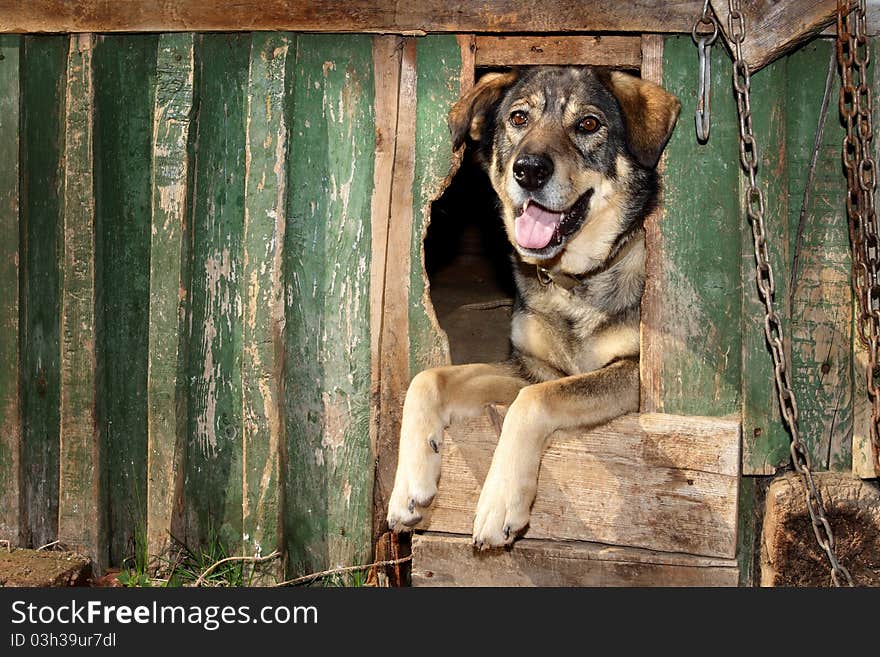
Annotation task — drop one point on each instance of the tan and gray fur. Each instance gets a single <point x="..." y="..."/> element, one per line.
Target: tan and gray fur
<point x="583" y="143"/>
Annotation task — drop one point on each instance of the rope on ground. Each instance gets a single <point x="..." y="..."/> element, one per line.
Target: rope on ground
<point x="347" y="569"/>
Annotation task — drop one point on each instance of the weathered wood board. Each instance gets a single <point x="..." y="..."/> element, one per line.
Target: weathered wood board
<point x="214" y="384"/>
<point x="10" y="355"/>
<point x="438" y="561"/>
<point x="329" y="488"/>
<point x="263" y="333"/>
<point x="124" y="70"/>
<point x="691" y="340"/>
<point x="653" y="481"/>
<point x="774" y="28"/>
<point x="170" y="236"/>
<point x="380" y="16"/>
<point x="43" y="65"/>
<point x="616" y="51"/>
<point x="81" y="487"/>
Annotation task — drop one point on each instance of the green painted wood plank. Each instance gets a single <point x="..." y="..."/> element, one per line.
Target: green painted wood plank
<point x="124" y="78"/>
<point x="694" y="266"/>
<point x="327" y="264"/>
<point x="438" y="86"/>
<point x="10" y="402"/>
<point x="213" y="464"/>
<point x="263" y="332"/>
<point x="43" y="66"/>
<point x="821" y="327"/>
<point x="169" y="285"/>
<point x="765" y="439"/>
<point x="81" y="514"/>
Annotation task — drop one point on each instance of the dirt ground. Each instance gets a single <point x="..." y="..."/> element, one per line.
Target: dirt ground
<point x="20" y="567"/>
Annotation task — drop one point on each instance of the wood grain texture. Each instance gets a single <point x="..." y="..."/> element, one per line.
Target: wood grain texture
<point x="691" y="360"/>
<point x="263" y="333"/>
<point x="391" y="222"/>
<point x="80" y="505"/>
<point x="774" y="28"/>
<point x="43" y="65"/>
<point x="382" y="16"/>
<point x="616" y="51"/>
<point x="765" y="438"/>
<point x="821" y="312"/>
<point x="125" y="68"/>
<point x="651" y="481"/>
<point x="10" y="396"/>
<point x="330" y="181"/>
<point x="169" y="286"/>
<point x="445" y="560"/>
<point x="213" y="487"/>
<point x="438" y="86"/>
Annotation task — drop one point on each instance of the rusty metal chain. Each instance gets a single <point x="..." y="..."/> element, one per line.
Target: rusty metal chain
<point x="748" y="150"/>
<point x="855" y="109"/>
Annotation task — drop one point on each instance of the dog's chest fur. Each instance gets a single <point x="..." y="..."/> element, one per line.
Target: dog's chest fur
<point x="557" y="332"/>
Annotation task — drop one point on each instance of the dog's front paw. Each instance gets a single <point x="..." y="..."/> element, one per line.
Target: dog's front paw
<point x="503" y="509"/>
<point x="418" y="465"/>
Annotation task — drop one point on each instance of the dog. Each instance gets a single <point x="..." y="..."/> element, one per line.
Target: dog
<point x="572" y="154"/>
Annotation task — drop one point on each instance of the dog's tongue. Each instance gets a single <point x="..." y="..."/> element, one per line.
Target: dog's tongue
<point x="535" y="226"/>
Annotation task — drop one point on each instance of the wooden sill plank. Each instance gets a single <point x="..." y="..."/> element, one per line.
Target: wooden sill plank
<point x="653" y="481"/>
<point x="444" y="560"/>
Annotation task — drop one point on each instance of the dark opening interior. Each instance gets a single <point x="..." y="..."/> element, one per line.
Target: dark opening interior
<point x="467" y="257"/>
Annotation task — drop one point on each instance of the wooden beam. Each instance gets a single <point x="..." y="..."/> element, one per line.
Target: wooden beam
<point x="378" y="16"/>
<point x="654" y="481"/>
<point x="616" y="51"/>
<point x="169" y="287"/>
<point x="773" y="28"/>
<point x="263" y="335"/>
<point x="446" y="560"/>
<point x="10" y="366"/>
<point x="80" y="505"/>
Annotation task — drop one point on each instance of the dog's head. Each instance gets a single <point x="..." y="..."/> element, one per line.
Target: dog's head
<point x="571" y="152"/>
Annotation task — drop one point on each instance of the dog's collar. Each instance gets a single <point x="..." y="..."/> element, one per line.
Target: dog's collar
<point x="570" y="281"/>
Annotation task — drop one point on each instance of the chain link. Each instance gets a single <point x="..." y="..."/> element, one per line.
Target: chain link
<point x="748" y="149"/>
<point x="853" y="57"/>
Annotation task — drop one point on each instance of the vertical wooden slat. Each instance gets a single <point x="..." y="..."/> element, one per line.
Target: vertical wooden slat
<point x="169" y="285"/>
<point x="389" y="346"/>
<point x="691" y="307"/>
<point x="821" y="319"/>
<point x="765" y="439"/>
<point x="10" y="403"/>
<point x="43" y="74"/>
<point x="81" y="514"/>
<point x="213" y="462"/>
<point x="263" y="332"/>
<point x="327" y="268"/>
<point x="438" y="86"/>
<point x="124" y="74"/>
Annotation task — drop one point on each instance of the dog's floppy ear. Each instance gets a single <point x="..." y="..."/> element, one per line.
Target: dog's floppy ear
<point x="649" y="111"/>
<point x="468" y="116"/>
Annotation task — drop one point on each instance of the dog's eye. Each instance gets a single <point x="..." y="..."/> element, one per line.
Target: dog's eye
<point x="519" y="118"/>
<point x="589" y="124"/>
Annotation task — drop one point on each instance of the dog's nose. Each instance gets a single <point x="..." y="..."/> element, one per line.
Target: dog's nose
<point x="532" y="171"/>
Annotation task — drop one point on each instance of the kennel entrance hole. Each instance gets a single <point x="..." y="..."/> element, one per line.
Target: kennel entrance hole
<point x="467" y="259"/>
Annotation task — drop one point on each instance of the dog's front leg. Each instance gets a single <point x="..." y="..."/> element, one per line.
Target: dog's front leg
<point x="434" y="397"/>
<point x="505" y="502"/>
